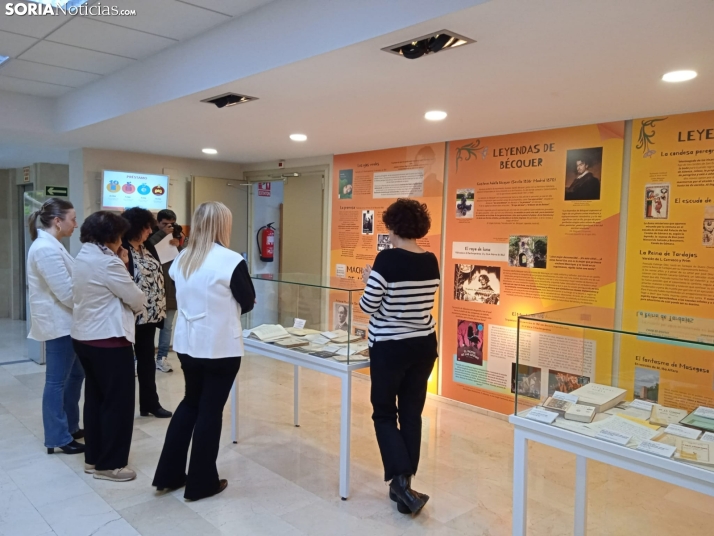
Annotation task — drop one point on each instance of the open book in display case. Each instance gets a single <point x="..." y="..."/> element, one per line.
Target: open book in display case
<point x="309" y="314"/>
<point x="649" y="378"/>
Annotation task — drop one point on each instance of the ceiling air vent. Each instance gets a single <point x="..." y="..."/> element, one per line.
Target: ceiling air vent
<point x="429" y="44"/>
<point x="229" y="99"/>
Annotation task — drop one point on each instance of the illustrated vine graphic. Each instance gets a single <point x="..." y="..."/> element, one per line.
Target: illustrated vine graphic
<point x="644" y="141"/>
<point x="470" y="149"/>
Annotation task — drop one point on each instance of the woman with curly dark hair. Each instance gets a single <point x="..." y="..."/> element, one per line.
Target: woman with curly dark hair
<point x="145" y="268"/>
<point x="105" y="300"/>
<point x="400" y="297"/>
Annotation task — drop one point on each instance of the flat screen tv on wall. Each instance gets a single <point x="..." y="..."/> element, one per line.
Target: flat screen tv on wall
<point x="125" y="189"/>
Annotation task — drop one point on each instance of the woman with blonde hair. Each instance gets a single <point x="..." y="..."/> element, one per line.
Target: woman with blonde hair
<point x="213" y="289"/>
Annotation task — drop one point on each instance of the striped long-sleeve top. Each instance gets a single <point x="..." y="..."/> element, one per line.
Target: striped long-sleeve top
<point x="400" y="295"/>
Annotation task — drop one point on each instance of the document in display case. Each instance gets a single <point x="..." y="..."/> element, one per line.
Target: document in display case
<point x="313" y="315"/>
<point x="650" y="381"/>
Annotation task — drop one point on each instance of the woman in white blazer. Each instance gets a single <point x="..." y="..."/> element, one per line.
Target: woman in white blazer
<point x="106" y="301"/>
<point x="49" y="278"/>
<point x="213" y="289"/>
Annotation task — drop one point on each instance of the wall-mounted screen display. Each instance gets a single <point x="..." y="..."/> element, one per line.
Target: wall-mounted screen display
<point x="124" y="189"/>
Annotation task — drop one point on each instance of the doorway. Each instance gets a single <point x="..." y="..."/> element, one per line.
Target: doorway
<point x="232" y="193"/>
<point x="295" y="201"/>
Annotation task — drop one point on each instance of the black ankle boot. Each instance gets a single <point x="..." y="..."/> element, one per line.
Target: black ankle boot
<point x="403" y="508"/>
<point x="400" y="486"/>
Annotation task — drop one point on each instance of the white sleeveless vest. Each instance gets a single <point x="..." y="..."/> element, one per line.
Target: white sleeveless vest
<point x="208" y="320"/>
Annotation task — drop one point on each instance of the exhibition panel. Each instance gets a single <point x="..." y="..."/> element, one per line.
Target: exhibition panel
<point x="531" y="225"/>
<point x="669" y="271"/>
<point x="364" y="185"/>
<point x="306" y="321"/>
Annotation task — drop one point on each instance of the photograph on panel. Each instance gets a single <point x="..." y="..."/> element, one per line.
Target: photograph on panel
<point x="481" y="284"/>
<point x="708" y="227"/>
<point x="340" y="317"/>
<point x="367" y="222"/>
<point x="525" y="380"/>
<point x="582" y="174"/>
<point x="345" y="184"/>
<point x="470" y="340"/>
<point x="657" y="201"/>
<point x="528" y="251"/>
<point x="647" y="384"/>
<point x="565" y="382"/>
<point x="383" y="242"/>
<point x="465" y="202"/>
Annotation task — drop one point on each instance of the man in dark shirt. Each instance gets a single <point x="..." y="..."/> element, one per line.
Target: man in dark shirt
<point x="166" y="220"/>
<point x="586" y="187"/>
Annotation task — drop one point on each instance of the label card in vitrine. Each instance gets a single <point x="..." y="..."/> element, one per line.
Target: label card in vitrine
<point x="702" y="411"/>
<point x="658" y="449"/>
<point x="683" y="431"/>
<point x="612" y="436"/>
<point x="541" y="415"/>
<point x="558" y="395"/>
<point x="641" y="404"/>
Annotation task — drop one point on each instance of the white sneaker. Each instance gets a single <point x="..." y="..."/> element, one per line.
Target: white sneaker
<point x="162" y="364"/>
<point x="123" y="474"/>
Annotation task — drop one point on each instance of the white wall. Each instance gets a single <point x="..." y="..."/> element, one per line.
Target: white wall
<point x="86" y="166"/>
<point x="272" y="165"/>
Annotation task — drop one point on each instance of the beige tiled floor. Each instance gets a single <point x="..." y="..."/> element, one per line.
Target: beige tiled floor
<point x="283" y="480"/>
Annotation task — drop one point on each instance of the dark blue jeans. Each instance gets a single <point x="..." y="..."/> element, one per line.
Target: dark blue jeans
<point x="63" y="386"/>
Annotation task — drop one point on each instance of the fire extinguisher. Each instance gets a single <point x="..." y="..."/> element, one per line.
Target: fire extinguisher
<point x="266" y="242"/>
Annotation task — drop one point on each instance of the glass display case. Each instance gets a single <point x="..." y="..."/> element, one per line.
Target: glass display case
<point x="642" y="380"/>
<point x="310" y="314"/>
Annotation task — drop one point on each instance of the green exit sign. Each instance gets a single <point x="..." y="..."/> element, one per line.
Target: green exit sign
<point x="54" y="191"/>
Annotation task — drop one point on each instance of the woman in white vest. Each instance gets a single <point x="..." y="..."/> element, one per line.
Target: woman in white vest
<point x="49" y="278"/>
<point x="213" y="289"/>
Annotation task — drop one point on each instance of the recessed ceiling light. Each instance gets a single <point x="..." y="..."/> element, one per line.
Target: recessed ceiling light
<point x="679" y="76"/>
<point x="210" y="151"/>
<point x="435" y="115"/>
<point x="298" y="137"/>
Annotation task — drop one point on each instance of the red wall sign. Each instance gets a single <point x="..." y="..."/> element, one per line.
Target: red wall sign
<point x="264" y="189"/>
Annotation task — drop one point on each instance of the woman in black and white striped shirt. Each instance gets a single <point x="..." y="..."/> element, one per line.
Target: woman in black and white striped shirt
<point x="400" y="297"/>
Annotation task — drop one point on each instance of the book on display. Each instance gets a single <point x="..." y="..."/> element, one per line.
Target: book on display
<point x="291" y="342"/>
<point x="696" y="420"/>
<point x="268" y="332"/>
<point x="580" y="413"/>
<point x="665" y="416"/>
<point x="558" y="405"/>
<point x="601" y="397"/>
<point x="302" y="332"/>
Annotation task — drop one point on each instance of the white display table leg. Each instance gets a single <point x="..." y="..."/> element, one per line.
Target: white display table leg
<point x="345" y="423"/>
<point x="296" y="394"/>
<point x="520" y="483"/>
<point x="581" y="495"/>
<point x="234" y="411"/>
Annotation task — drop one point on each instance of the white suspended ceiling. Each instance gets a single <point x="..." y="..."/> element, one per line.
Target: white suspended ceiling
<point x="534" y="65"/>
<point x="53" y="55"/>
